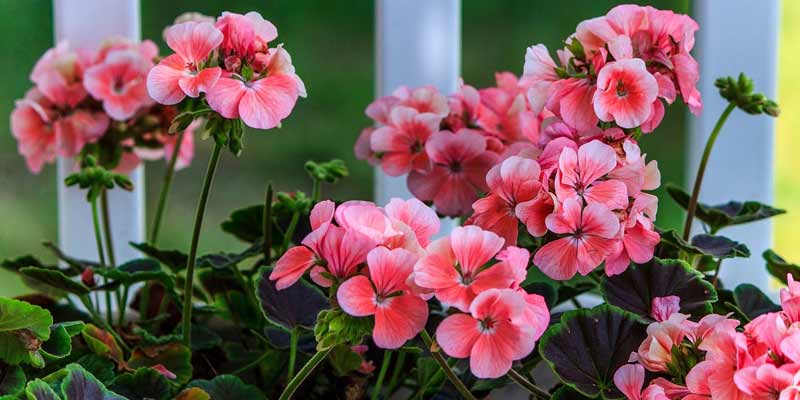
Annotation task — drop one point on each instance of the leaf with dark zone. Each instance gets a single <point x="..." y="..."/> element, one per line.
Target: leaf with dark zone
<point x="227" y="387"/>
<point x="720" y="246"/>
<point x="752" y="301"/>
<point x="297" y="305"/>
<point x="780" y="268"/>
<point x="173" y="259"/>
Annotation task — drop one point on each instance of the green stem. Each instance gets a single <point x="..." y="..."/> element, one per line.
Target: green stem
<point x="100" y="321"/>
<point x="165" y="187"/>
<point x="398" y="367"/>
<point x="266" y="226"/>
<point x="287" y="237"/>
<point x="98" y="237"/>
<point x="316" y="191"/>
<point x="123" y="306"/>
<point x="536" y="391"/>
<point x="451" y="375"/>
<point x="376" y="391"/>
<point x="293" y="338"/>
<point x="112" y="262"/>
<point x="701" y="170"/>
<point x="716" y="273"/>
<point x="301" y="376"/>
<point x="252" y="364"/>
<point x="190" y="262"/>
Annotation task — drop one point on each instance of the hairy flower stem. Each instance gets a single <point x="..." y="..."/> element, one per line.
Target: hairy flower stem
<point x="536" y="391"/>
<point x="188" y="288"/>
<point x="451" y="375"/>
<point x="293" y="338"/>
<point x="112" y="262"/>
<point x="98" y="238"/>
<point x="266" y="226"/>
<point x="162" y="198"/>
<point x="301" y="376"/>
<point x="376" y="391"/>
<point x="701" y="170"/>
<point x="398" y="367"/>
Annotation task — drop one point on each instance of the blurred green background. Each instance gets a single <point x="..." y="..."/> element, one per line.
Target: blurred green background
<point x="332" y="47"/>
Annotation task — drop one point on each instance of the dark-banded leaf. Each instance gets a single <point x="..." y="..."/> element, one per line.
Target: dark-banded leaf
<point x="227" y="387"/>
<point x="38" y="389"/>
<point x="752" y="301"/>
<point x="780" y="268"/>
<point x="102" y="343"/>
<point x="59" y="345"/>
<point x="143" y="384"/>
<point x="297" y="305"/>
<point x="139" y="270"/>
<point x="720" y="246"/>
<point x="173" y="356"/>
<point x="173" y="259"/>
<point x="245" y="223"/>
<point x="12" y="380"/>
<point x="55" y="279"/>
<point x="727" y="214"/>
<point x="588" y="345"/>
<point x="635" y="289"/>
<point x="80" y="384"/>
<point x="225" y="260"/>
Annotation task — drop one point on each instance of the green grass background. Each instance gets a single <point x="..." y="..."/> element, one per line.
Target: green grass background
<point x="331" y="43"/>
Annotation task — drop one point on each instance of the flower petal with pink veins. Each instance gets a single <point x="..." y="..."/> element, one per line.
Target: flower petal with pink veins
<point x="356" y="296"/>
<point x="225" y="96"/>
<point x="414" y="213"/>
<point x="389" y="269"/>
<point x="268" y="101"/>
<point x="533" y="213"/>
<point x="192" y="85"/>
<point x="400" y="319"/>
<point x="457" y="335"/>
<point x="611" y="193"/>
<point x="193" y="41"/>
<point x="474" y="247"/>
<point x="688" y="73"/>
<point x="291" y="266"/>
<point x="436" y="270"/>
<point x="445" y="147"/>
<point x="322" y="213"/>
<point x="640" y="243"/>
<point x="625" y="93"/>
<point x="558" y="259"/>
<point x="162" y="81"/>
<point x="597" y="220"/>
<point x="493" y="353"/>
<point x="629" y="379"/>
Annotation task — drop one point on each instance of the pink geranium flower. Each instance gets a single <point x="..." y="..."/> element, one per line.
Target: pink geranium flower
<point x="765" y="381"/>
<point x="185" y="73"/>
<point x="504" y="113"/>
<point x="58" y="75"/>
<point x="455" y="266"/>
<point x="625" y="93"/>
<point x="399" y="314"/>
<point x="726" y="353"/>
<point x="629" y="379"/>
<point x="588" y="231"/>
<point x="511" y="182"/>
<point x="416" y="215"/>
<point x="579" y="176"/>
<point x="491" y="335"/>
<point x="401" y="143"/>
<point x="119" y="82"/>
<point x="655" y="352"/>
<point x="790" y="299"/>
<point x="460" y="163"/>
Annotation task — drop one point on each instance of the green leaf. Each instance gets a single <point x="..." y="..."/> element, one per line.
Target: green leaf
<point x="38" y="389"/>
<point x="173" y="259"/>
<point x="588" y="345"/>
<point x="80" y="384"/>
<point x="173" y="356"/>
<point x="752" y="301"/>
<point x="780" y="268"/>
<point x="193" y="394"/>
<point x="203" y="338"/>
<point x="223" y="260"/>
<point x="12" y="380"/>
<point x="15" y="264"/>
<point x="427" y="377"/>
<point x="56" y="279"/>
<point x="724" y="215"/>
<point x="246" y="223"/>
<point x="102" y="343"/>
<point x="297" y="305"/>
<point x="102" y="368"/>
<point x="635" y="289"/>
<point x="227" y="387"/>
<point x="568" y="393"/>
<point x="23" y="328"/>
<point x="60" y="343"/>
<point x="143" y="384"/>
<point x="344" y="360"/>
<point x="720" y="246"/>
<point x="139" y="270"/>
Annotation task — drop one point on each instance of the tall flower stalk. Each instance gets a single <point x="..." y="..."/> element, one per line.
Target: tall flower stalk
<point x="165" y="188"/>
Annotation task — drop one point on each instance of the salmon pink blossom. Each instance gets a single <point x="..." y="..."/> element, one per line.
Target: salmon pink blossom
<point x="401" y="143"/>
<point x="119" y="82"/>
<point x="492" y="334"/>
<point x="399" y="314"/>
<point x="185" y="73"/>
<point x="579" y="176"/>
<point x="625" y="93"/>
<point x="58" y="75"/>
<point x="629" y="379"/>
<point x="589" y="232"/>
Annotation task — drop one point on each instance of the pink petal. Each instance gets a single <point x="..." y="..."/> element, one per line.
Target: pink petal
<point x="445" y="147"/>
<point x="356" y="296"/>
<point x="595" y="159"/>
<point x="192" y="85"/>
<point x="612" y="193"/>
<point x="492" y="354"/>
<point x="389" y="269"/>
<point x="558" y="259"/>
<point x="400" y="320"/>
<point x="663" y="307"/>
<point x="268" y="101"/>
<point x="436" y="270"/>
<point x="291" y="266"/>
<point x="597" y="220"/>
<point x="414" y="213"/>
<point x="629" y="379"/>
<point x="322" y="213"/>
<point x="533" y="213"/>
<point x="225" y="96"/>
<point x="457" y="335"/>
<point x="473" y="247"/>
<point x="640" y="243"/>
<point x="162" y="81"/>
<point x="193" y="41"/>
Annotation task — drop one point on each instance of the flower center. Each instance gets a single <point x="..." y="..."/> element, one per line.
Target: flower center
<point x="455" y="166"/>
<point x="487" y="325"/>
<point x="621" y="91"/>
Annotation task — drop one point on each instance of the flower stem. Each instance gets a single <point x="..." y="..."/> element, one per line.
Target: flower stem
<point x="165" y="187"/>
<point x="301" y="376"/>
<point x="112" y="262"/>
<point x="252" y="364"/>
<point x="536" y="391"/>
<point x="294" y="336"/>
<point x="266" y="226"/>
<point x="701" y="170"/>
<point x="98" y="237"/>
<point x="451" y="375"/>
<point x="376" y="391"/>
<point x="716" y="273"/>
<point x="190" y="262"/>
<point x="398" y="367"/>
<point x="287" y="237"/>
<point x="316" y="191"/>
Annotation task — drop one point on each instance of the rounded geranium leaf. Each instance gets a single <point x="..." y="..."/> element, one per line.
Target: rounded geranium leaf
<point x="55" y="279"/>
<point x="588" y="345"/>
<point x="173" y="259"/>
<point x="59" y="345"/>
<point x="635" y="289"/>
<point x="23" y="329"/>
<point x="38" y="389"/>
<point x="80" y="384"/>
<point x="227" y="387"/>
<point x="752" y="301"/>
<point x="297" y="305"/>
<point x="246" y="223"/>
<point x="780" y="268"/>
<point x="143" y="384"/>
<point x="139" y="270"/>
<point x="12" y="380"/>
<point x="720" y="246"/>
<point x="175" y="357"/>
<point x="193" y="394"/>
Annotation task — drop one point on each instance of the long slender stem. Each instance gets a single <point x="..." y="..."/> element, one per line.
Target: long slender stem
<point x="252" y="364"/>
<point x="190" y="262"/>
<point x="398" y="367"/>
<point x="376" y="391"/>
<point x="716" y="273"/>
<point x="287" y="237"/>
<point x="701" y="170"/>
<point x="165" y="187"/>
<point x="293" y="338"/>
<point x="100" y="321"/>
<point x="536" y="391"/>
<point x="451" y="375"/>
<point x="266" y="226"/>
<point x="301" y="376"/>
<point x="98" y="237"/>
<point x="112" y="262"/>
<point x="123" y="306"/>
<point x="316" y="191"/>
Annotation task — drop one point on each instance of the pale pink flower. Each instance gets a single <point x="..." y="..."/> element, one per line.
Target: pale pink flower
<point x="455" y="266"/>
<point x="460" y="163"/>
<point x="424" y="99"/>
<point x="790" y="299"/>
<point x="625" y="93"/>
<point x="571" y="100"/>
<point x="634" y="171"/>
<point x="183" y="74"/>
<point x="589" y="232"/>
<point x="464" y="105"/>
<point x="491" y="335"/>
<point x="579" y="176"/>
<point x="663" y="307"/>
<point x="765" y="381"/>
<point x="119" y="82"/>
<point x="367" y="366"/>
<point x="362" y="149"/>
<point x="368" y="219"/>
<point x="637" y="243"/>
<point x="399" y="314"/>
<point x="726" y="353"/>
<point x="511" y="182"/>
<point x="401" y="143"/>
<point x="629" y="379"/>
<point x="792" y="392"/>
<point x="655" y="352"/>
<point x="415" y="214"/>
<point x="533" y="213"/>
<point x="504" y="112"/>
<point x="245" y="35"/>
<point x="58" y="75"/>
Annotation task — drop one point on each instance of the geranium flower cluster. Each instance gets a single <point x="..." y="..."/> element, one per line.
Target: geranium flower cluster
<point x="83" y="97"/>
<point x="231" y="61"/>
<point x="381" y="262"/>
<point x="712" y="359"/>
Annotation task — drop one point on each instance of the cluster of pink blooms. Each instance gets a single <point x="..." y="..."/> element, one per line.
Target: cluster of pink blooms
<point x="79" y="95"/>
<point x="554" y="150"/>
<point x="231" y="61"/>
<point x="762" y="361"/>
<point x="381" y="262"/>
